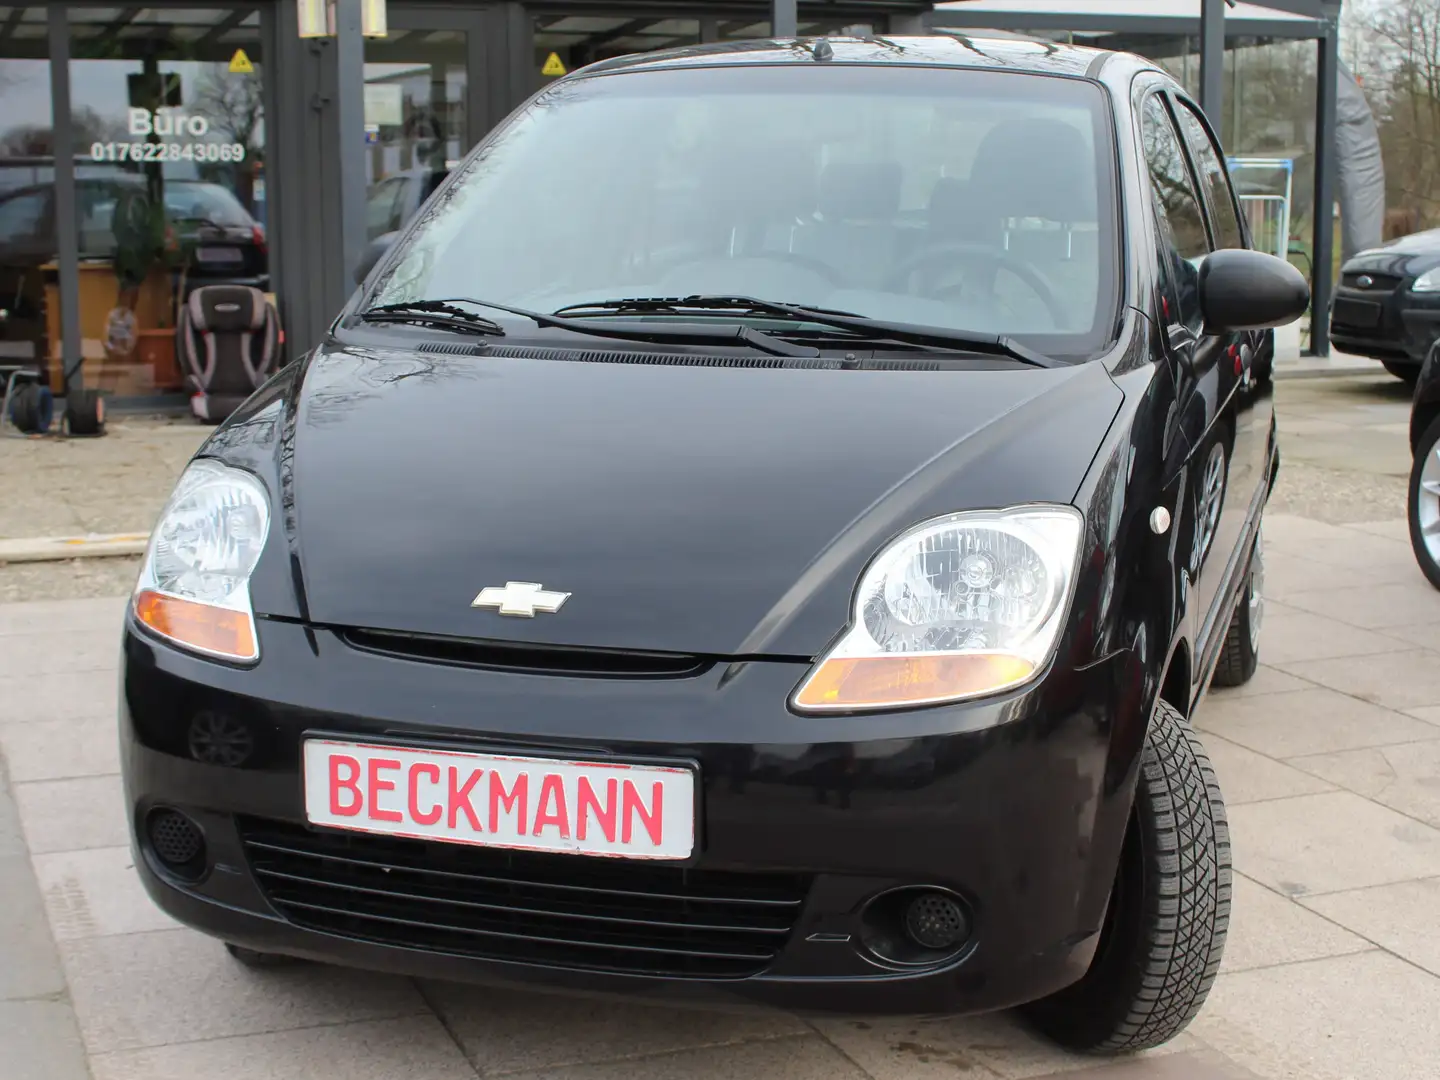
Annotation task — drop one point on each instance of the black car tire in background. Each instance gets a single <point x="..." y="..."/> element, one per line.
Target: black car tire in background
<point x="1406" y="373"/>
<point x="1164" y="932"/>
<point x="259" y="960"/>
<point x="1423" y="505"/>
<point x="32" y="408"/>
<point x="1240" y="655"/>
<point x="85" y="413"/>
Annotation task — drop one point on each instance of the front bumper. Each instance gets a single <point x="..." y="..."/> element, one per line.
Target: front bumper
<point x="1016" y="806"/>
<point x="1402" y="332"/>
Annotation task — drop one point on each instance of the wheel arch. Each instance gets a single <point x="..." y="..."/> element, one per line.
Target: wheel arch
<point x="1177" y="681"/>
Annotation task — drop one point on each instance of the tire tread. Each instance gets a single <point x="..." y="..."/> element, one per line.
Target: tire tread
<point x="1167" y="955"/>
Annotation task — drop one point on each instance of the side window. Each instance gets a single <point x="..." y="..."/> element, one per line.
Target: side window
<point x="1184" y="241"/>
<point x="1222" y="200"/>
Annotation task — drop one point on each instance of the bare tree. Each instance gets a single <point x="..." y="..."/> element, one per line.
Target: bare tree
<point x="1399" y="41"/>
<point x="233" y="103"/>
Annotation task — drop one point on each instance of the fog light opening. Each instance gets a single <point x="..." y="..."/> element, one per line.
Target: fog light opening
<point x="934" y="920"/>
<point x="176" y="841"/>
<point x="916" y="927"/>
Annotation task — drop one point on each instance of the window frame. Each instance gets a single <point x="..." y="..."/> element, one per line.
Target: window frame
<point x="1111" y="307"/>
<point x="1164" y="232"/>
<point x="1176" y="103"/>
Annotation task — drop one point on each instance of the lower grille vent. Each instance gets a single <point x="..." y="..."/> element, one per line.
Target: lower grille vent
<point x="579" y="912"/>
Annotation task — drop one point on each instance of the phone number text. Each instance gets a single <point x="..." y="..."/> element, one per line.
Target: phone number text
<point x="171" y="151"/>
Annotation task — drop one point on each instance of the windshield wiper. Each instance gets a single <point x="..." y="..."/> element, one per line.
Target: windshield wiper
<point x="700" y="304"/>
<point x="691" y="333"/>
<point x="931" y="337"/>
<point x="435" y="313"/>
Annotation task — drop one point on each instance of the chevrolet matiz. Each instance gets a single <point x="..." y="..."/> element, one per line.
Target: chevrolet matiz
<point x="760" y="532"/>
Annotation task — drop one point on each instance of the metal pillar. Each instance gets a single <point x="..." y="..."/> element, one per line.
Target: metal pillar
<point x="348" y="135"/>
<point x="67" y="228"/>
<point x="1327" y="70"/>
<point x="784" y="18"/>
<point x="1212" y="59"/>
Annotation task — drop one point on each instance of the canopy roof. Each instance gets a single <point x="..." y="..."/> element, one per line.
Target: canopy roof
<point x="1275" y="18"/>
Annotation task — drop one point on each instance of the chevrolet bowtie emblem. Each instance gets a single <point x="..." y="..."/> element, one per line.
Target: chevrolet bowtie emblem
<point x="521" y="598"/>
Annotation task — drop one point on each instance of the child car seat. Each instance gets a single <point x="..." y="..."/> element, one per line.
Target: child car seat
<point x="229" y="344"/>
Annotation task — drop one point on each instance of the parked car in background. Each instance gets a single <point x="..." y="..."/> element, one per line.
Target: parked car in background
<point x="1387" y="304"/>
<point x="226" y="244"/>
<point x="392" y="202"/>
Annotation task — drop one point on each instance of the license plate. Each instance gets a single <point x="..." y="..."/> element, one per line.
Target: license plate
<point x="533" y="804"/>
<point x="219" y="254"/>
<point x="1349" y="312"/>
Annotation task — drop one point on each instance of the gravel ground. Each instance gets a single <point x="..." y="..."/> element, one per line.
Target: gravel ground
<point x="1336" y="495"/>
<point x="74" y="579"/>
<point x="70" y="487"/>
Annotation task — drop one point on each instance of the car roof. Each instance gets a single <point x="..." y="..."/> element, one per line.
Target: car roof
<point x="1009" y="54"/>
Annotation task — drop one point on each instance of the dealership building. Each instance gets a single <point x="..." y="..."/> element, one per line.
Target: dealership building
<point x="278" y="156"/>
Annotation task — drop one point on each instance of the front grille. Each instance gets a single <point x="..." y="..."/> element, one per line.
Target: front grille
<point x="1356" y="314"/>
<point x="527" y="657"/>
<point x="579" y="912"/>
<point x="1379" y="283"/>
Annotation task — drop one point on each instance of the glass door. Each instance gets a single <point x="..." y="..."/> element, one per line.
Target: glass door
<point x="417" y="115"/>
<point x="168" y="120"/>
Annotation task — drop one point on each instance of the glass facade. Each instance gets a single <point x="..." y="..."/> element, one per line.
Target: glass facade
<point x="416" y="84"/>
<point x="27" y="172"/>
<point x="167" y="132"/>
<point x="169" y="114"/>
<point x="209" y="143"/>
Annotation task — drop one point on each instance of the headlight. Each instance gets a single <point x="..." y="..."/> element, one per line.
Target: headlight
<point x="194" y="586"/>
<point x="957" y="607"/>
<point x="1427" y="282"/>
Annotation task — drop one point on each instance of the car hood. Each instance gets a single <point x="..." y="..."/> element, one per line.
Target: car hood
<point x="718" y="510"/>
<point x="1407" y="254"/>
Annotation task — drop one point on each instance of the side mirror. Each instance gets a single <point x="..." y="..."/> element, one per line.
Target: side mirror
<point x="1242" y="289"/>
<point x="373" y="253"/>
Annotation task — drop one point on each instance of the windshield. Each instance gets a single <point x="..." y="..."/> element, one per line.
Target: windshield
<point x="969" y="200"/>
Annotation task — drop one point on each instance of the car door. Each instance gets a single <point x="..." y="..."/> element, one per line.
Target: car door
<point x="1253" y="396"/>
<point x="1204" y="373"/>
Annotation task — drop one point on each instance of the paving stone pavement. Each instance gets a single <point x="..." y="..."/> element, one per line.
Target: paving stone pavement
<point x="1329" y="760"/>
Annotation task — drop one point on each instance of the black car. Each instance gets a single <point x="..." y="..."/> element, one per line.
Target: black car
<point x="760" y="533"/>
<point x="1387" y="304"/>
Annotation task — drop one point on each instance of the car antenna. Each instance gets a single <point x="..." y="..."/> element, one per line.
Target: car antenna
<point x="822" y="50"/>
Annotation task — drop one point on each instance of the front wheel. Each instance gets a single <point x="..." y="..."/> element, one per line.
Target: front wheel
<point x="1423" y="504"/>
<point x="1164" y="931"/>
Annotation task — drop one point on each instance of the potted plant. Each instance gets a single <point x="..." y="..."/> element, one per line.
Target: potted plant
<point x="146" y="241"/>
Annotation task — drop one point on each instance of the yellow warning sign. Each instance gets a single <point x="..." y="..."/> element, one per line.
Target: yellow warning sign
<point x="553" y="65"/>
<point x="240" y="64"/>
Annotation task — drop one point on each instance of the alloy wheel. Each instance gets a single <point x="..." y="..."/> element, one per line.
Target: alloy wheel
<point x="1257" y="589"/>
<point x="1427" y="503"/>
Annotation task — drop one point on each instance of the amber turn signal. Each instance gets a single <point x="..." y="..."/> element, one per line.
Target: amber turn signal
<point x="214" y="630"/>
<point x="867" y="682"/>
